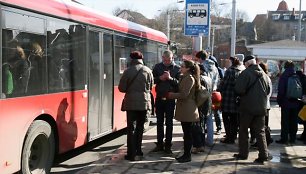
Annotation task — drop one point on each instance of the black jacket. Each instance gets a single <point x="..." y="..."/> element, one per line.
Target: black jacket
<point x="162" y="87"/>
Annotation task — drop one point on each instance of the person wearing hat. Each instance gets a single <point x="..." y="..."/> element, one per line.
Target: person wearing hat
<point x="252" y="85"/>
<point x="136" y="82"/>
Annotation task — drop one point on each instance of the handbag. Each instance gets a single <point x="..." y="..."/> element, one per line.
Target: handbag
<point x="302" y="113"/>
<point x="201" y="95"/>
<point x="128" y="86"/>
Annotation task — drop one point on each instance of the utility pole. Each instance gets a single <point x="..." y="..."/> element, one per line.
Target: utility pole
<point x="300" y="22"/>
<point x="168" y="24"/>
<point x="233" y="35"/>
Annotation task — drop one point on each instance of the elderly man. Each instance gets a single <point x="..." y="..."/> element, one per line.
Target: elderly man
<point x="252" y="86"/>
<point x="166" y="75"/>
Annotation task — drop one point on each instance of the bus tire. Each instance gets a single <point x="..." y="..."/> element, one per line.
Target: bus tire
<point x="38" y="149"/>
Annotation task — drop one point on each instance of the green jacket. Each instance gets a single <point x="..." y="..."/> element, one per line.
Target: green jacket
<point x="253" y="96"/>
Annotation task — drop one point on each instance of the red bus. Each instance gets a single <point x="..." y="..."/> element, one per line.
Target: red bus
<point x="60" y="67"/>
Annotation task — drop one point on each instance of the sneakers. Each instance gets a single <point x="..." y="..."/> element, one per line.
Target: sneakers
<point x="262" y="160"/>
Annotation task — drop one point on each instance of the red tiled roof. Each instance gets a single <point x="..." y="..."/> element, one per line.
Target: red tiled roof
<point x="282" y="6"/>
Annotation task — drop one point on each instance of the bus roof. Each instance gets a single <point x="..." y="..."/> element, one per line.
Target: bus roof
<point x="70" y="10"/>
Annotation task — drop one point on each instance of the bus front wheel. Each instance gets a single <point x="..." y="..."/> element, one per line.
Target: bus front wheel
<point x="38" y="149"/>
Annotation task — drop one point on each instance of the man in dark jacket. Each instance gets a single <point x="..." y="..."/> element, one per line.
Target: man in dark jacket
<point x="252" y="86"/>
<point x="166" y="75"/>
<point x="289" y="107"/>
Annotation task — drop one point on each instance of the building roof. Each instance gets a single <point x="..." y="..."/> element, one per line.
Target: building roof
<point x="280" y="44"/>
<point x="282" y="6"/>
<point x="259" y="19"/>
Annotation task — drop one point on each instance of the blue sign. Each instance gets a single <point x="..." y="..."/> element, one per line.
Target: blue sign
<point x="197" y="17"/>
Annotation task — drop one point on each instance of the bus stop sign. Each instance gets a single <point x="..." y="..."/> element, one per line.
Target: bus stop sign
<point x="197" y="17"/>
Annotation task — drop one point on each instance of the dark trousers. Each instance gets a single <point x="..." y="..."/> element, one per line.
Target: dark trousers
<point x="230" y="121"/>
<point x="257" y="123"/>
<point x="187" y="130"/>
<point x="289" y="123"/>
<point x="217" y="116"/>
<point x="135" y="127"/>
<point x="198" y="133"/>
<point x="164" y="109"/>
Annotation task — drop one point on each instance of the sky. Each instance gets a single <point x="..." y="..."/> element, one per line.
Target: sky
<point x="151" y="8"/>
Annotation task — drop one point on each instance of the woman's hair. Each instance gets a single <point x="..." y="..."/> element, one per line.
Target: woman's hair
<point x="235" y="61"/>
<point x="264" y="67"/>
<point x="194" y="70"/>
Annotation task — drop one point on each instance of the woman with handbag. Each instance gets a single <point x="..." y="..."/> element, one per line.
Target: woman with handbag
<point x="136" y="82"/>
<point x="186" y="108"/>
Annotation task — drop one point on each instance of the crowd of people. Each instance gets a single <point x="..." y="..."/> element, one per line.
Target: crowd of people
<point x="245" y="89"/>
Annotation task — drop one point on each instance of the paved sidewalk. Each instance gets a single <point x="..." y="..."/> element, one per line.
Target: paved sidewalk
<point x="287" y="159"/>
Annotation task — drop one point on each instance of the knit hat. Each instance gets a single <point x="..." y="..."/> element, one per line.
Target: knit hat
<point x="247" y="58"/>
<point x="136" y="55"/>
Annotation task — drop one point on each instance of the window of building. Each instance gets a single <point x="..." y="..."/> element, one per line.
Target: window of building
<point x="287" y="16"/>
<point x="275" y="16"/>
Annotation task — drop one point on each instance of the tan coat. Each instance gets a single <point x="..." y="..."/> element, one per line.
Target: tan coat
<point x="137" y="95"/>
<point x="186" y="108"/>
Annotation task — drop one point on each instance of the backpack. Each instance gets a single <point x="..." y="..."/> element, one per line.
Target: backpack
<point x="205" y="108"/>
<point x="294" y="87"/>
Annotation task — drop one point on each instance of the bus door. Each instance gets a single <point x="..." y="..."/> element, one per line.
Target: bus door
<point x="100" y="84"/>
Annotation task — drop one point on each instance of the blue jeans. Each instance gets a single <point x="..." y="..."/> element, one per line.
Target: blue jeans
<point x="164" y="109"/>
<point x="210" y="130"/>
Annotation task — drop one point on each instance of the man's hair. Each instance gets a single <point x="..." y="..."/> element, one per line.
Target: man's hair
<point x="202" y="55"/>
<point x="168" y="53"/>
<point x="289" y="64"/>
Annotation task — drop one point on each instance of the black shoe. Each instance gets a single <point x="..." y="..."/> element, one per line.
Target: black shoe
<point x="254" y="146"/>
<point x="127" y="157"/>
<point x="158" y="148"/>
<point x="139" y="153"/>
<point x="262" y="160"/>
<point x="183" y="159"/>
<point x="269" y="142"/>
<point x="168" y="151"/>
<point x="281" y="141"/>
<point x="239" y="157"/>
<point x="227" y="141"/>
